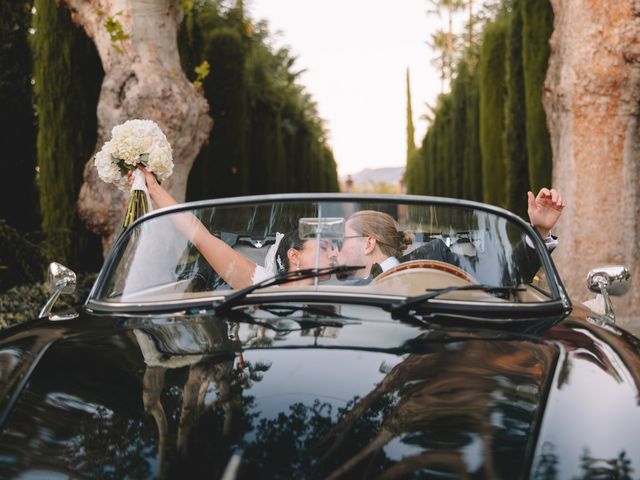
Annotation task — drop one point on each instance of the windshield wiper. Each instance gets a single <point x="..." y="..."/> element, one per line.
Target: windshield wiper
<point x="234" y="299"/>
<point x="404" y="306"/>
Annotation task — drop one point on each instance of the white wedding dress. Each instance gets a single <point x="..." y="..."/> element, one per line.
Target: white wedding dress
<point x="269" y="270"/>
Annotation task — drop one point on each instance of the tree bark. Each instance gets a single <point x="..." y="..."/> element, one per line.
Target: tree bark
<point x="592" y="100"/>
<point x="143" y="79"/>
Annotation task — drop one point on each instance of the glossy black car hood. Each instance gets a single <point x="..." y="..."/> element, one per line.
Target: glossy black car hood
<point x="141" y="399"/>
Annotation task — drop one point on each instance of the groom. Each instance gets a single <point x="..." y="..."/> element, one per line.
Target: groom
<point x="544" y="210"/>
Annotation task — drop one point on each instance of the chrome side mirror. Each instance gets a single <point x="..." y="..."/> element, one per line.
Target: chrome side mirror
<point x="61" y="281"/>
<point x="609" y="280"/>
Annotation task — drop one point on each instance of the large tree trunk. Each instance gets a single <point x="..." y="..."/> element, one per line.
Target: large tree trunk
<point x="592" y="100"/>
<point x="143" y="79"/>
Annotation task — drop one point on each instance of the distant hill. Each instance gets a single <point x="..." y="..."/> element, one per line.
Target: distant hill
<point x="370" y="177"/>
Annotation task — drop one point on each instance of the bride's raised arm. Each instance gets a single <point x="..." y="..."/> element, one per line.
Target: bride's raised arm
<point x="232" y="266"/>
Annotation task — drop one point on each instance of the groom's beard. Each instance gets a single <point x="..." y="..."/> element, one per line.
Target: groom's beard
<point x="342" y="276"/>
<point x="352" y="275"/>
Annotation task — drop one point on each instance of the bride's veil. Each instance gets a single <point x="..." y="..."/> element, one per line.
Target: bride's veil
<point x="270" y="263"/>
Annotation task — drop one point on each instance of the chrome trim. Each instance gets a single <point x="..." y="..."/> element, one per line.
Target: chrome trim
<point x="609" y="280"/>
<point x="182" y="303"/>
<point x="61" y="281"/>
<point x="114" y="307"/>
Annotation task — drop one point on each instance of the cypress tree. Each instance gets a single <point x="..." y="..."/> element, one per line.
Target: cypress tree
<point x="472" y="153"/>
<point x="515" y="121"/>
<point x="19" y="209"/>
<point x="421" y="182"/>
<point x="412" y="173"/>
<point x="191" y="42"/>
<point x="536" y="29"/>
<point x="492" y="83"/>
<point x="411" y="145"/>
<point x="458" y="131"/>
<point x="226" y="171"/>
<point x="289" y="129"/>
<point x="68" y="75"/>
<point x="445" y="146"/>
<point x="302" y="159"/>
<point x="262" y="148"/>
<point x="317" y="164"/>
<point x="426" y="167"/>
<point x="431" y="157"/>
<point x="333" y="185"/>
<point x="436" y="152"/>
<point x="279" y="138"/>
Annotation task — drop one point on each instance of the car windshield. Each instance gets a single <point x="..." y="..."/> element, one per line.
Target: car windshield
<point x="403" y="248"/>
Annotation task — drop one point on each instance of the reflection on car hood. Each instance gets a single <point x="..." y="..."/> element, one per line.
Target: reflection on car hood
<point x="179" y="399"/>
<point x="102" y="397"/>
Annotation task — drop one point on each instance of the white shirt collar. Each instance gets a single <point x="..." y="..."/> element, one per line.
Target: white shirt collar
<point x="389" y="263"/>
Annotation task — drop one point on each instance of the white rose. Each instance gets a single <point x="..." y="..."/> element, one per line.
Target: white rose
<point x="160" y="161"/>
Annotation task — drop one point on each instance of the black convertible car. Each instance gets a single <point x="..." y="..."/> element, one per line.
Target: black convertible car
<point x="472" y="364"/>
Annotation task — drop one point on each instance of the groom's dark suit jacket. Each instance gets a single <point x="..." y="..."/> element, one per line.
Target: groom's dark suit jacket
<point x="524" y="257"/>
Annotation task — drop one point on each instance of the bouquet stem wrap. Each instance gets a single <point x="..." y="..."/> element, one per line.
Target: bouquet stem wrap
<point x="139" y="202"/>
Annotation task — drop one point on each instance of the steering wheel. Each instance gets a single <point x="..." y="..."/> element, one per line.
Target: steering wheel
<point x="432" y="264"/>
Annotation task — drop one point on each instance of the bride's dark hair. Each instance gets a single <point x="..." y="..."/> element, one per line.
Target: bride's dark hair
<point x="290" y="240"/>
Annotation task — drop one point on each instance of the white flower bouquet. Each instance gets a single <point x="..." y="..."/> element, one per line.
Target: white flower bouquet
<point x="133" y="143"/>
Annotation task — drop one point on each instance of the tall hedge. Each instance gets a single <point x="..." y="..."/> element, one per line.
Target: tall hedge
<point x="431" y="161"/>
<point x="267" y="136"/>
<point x="265" y="148"/>
<point x="68" y="75"/>
<point x="472" y="154"/>
<point x="331" y="183"/>
<point x="445" y="146"/>
<point x="537" y="27"/>
<point x="493" y="92"/>
<point x="19" y="207"/>
<point x="459" y="98"/>
<point x="515" y="120"/>
<point x="411" y="143"/>
<point x="226" y="172"/>
<point x="414" y="177"/>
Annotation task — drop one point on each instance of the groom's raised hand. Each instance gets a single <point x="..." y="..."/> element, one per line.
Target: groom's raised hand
<point x="544" y="209"/>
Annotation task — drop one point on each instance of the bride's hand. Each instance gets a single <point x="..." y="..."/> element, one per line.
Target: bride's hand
<point x="149" y="178"/>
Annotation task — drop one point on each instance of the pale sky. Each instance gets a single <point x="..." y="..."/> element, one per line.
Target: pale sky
<point x="355" y="53"/>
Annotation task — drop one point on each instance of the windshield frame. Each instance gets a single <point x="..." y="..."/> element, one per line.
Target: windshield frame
<point x="555" y="284"/>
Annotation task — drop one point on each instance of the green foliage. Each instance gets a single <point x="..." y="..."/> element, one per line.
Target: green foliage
<point x="202" y="72"/>
<point x="459" y="99"/>
<point x="415" y="174"/>
<point x="493" y="91"/>
<point x="68" y="76"/>
<point x="23" y="302"/>
<point x="443" y="126"/>
<point x="536" y="29"/>
<point x="18" y="206"/>
<point x="225" y="89"/>
<point x="488" y="139"/>
<point x="20" y="258"/>
<point x="472" y="178"/>
<point x="116" y="33"/>
<point x="515" y="132"/>
<point x="448" y="163"/>
<point x="263" y="119"/>
<point x="411" y="145"/>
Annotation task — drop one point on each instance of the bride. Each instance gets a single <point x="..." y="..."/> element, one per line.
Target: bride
<point x="289" y="253"/>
